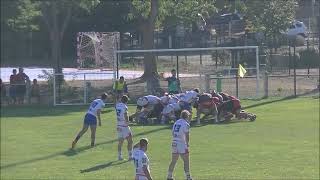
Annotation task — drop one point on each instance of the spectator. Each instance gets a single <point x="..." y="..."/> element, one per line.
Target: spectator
<point x="173" y="83"/>
<point x="22" y="79"/>
<point x="35" y="90"/>
<point x="3" y="92"/>
<point x="13" y="86"/>
<point x="120" y="88"/>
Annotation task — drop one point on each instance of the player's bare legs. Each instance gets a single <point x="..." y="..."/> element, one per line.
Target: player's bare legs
<point x="174" y="159"/>
<point x="83" y="130"/>
<point x="93" y="134"/>
<point x="186" y="165"/>
<point x="129" y="147"/>
<point x="120" y="140"/>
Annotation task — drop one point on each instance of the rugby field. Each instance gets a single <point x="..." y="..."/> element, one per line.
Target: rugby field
<point x="283" y="143"/>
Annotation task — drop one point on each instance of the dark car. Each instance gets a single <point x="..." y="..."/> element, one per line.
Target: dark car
<point x="225" y="18"/>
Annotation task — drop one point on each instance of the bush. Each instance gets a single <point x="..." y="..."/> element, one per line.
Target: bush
<point x="309" y="58"/>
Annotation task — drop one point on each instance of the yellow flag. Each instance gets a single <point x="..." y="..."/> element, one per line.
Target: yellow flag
<point x="241" y="71"/>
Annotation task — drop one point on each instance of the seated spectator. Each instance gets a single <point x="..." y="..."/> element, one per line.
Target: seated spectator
<point x="35" y="90"/>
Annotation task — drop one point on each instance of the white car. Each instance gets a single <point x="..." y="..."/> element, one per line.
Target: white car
<point x="297" y="28"/>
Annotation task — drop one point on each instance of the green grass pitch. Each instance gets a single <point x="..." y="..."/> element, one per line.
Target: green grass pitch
<point x="283" y="143"/>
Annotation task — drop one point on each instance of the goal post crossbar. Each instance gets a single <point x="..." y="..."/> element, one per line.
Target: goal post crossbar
<point x="185" y="49"/>
<point x="256" y="48"/>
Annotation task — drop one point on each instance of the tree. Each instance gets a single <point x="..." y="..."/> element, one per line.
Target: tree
<point x="153" y="13"/>
<point x="270" y="16"/>
<point x="55" y="14"/>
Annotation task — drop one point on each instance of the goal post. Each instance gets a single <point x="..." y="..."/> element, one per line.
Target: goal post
<point x="96" y="71"/>
<point x="198" y="55"/>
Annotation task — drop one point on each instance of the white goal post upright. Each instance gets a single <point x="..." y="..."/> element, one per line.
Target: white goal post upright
<point x="256" y="48"/>
<point x="97" y="62"/>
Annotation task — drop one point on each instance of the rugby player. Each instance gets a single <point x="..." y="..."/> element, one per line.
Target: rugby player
<point x="180" y="144"/>
<point x="124" y="131"/>
<point x="188" y="99"/>
<point x="141" y="160"/>
<point x="206" y="104"/>
<point x="147" y="107"/>
<point x="90" y="119"/>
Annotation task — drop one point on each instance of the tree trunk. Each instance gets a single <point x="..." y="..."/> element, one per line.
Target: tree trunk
<point x="150" y="66"/>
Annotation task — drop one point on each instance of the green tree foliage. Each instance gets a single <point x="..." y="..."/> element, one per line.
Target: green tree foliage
<point x="270" y="16"/>
<point x="55" y="14"/>
<point x="20" y="15"/>
<point x="150" y="14"/>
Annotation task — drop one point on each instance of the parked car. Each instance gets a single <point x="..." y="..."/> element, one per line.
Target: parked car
<point x="297" y="28"/>
<point x="225" y="18"/>
<point x="221" y="23"/>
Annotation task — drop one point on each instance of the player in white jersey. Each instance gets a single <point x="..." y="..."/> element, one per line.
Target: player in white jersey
<point x="180" y="144"/>
<point x="188" y="99"/>
<point x="90" y="119"/>
<point x="147" y="107"/>
<point x="124" y="131"/>
<point x="170" y="112"/>
<point x="141" y="160"/>
<point x="168" y="99"/>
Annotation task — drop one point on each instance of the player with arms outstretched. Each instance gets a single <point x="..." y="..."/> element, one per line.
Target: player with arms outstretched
<point x="90" y="119"/>
<point x="180" y="144"/>
<point x="141" y="160"/>
<point x="124" y="131"/>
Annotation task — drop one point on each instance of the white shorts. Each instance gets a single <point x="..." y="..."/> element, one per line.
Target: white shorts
<point x="179" y="148"/>
<point x="124" y="132"/>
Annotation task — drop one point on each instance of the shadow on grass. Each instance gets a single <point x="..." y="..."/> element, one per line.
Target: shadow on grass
<point x="102" y="166"/>
<point x="76" y="151"/>
<point x="269" y="102"/>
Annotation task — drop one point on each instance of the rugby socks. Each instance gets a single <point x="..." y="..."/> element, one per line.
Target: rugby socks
<point x="188" y="177"/>
<point x="77" y="138"/>
<point x="169" y="175"/>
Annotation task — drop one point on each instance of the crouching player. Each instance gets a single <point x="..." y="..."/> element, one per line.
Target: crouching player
<point x="141" y="160"/>
<point x="124" y="131"/>
<point x="148" y="107"/>
<point x="90" y="119"/>
<point x="188" y="99"/>
<point x="170" y="112"/>
<point x="231" y="105"/>
<point x="180" y="144"/>
<point x="206" y="105"/>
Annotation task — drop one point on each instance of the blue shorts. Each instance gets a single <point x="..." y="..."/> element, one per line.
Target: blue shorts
<point x="90" y="119"/>
<point x="186" y="106"/>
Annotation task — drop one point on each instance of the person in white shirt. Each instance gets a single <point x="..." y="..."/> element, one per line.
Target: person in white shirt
<point x="170" y="112"/>
<point x="124" y="131"/>
<point x="188" y="99"/>
<point x="141" y="160"/>
<point x="180" y="144"/>
<point x="147" y="107"/>
<point x="90" y="119"/>
<point x="168" y="99"/>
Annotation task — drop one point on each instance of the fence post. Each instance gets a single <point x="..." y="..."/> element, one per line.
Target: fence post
<point x="266" y="88"/>
<point x="85" y="89"/>
<point x="294" y="71"/>
<point x="237" y="85"/>
<point x="207" y="83"/>
<point x="54" y="88"/>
